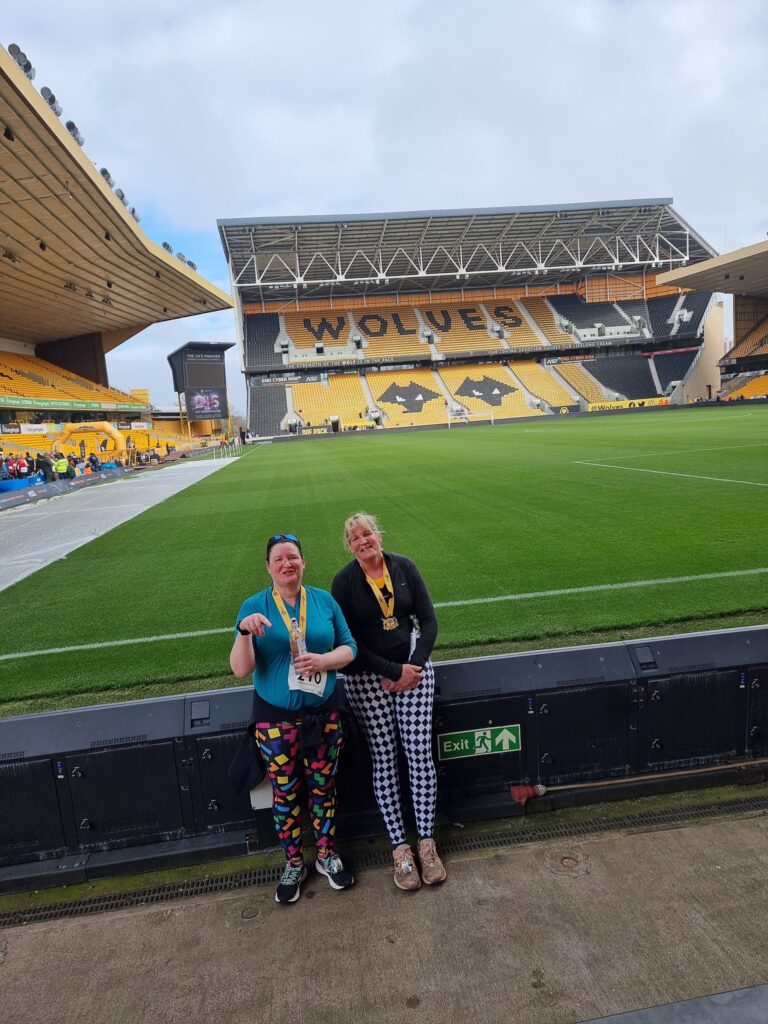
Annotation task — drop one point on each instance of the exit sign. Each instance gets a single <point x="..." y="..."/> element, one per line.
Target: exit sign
<point x="498" y="739"/>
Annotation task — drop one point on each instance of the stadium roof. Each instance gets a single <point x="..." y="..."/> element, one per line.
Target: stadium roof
<point x="279" y="258"/>
<point x="742" y="272"/>
<point x="73" y="260"/>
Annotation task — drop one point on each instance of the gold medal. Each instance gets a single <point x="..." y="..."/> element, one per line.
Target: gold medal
<point x="390" y="622"/>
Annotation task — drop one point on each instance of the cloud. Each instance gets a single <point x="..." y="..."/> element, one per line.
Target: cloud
<point x="241" y="108"/>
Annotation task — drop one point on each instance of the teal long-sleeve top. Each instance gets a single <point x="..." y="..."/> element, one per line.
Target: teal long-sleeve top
<point x="326" y="629"/>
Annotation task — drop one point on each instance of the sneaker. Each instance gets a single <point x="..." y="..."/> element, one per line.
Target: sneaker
<point x="432" y="868"/>
<point x="406" y="872"/>
<point x="337" y="875"/>
<point x="289" y="889"/>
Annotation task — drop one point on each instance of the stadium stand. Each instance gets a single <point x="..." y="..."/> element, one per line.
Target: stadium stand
<point x="637" y="308"/>
<point x="30" y="377"/>
<point x="308" y="329"/>
<point x="408" y="397"/>
<point x="261" y="331"/>
<point x="753" y="343"/>
<point x="582" y="381"/>
<point x="268" y="407"/>
<point x="341" y="395"/>
<point x="660" y="311"/>
<point x="696" y="304"/>
<point x="539" y="382"/>
<point x="545" y="320"/>
<point x="459" y="328"/>
<point x="757" y="387"/>
<point x="587" y="314"/>
<point x="517" y="331"/>
<point x="629" y="376"/>
<point x="384" y="334"/>
<point x="487" y="390"/>
<point x="673" y="366"/>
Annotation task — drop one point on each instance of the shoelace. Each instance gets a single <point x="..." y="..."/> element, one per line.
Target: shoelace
<point x="332" y="864"/>
<point x="291" y="874"/>
<point x="404" y="861"/>
<point x="428" y="854"/>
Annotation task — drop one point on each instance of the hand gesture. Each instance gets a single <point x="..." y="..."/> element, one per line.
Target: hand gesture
<point x="255" y="623"/>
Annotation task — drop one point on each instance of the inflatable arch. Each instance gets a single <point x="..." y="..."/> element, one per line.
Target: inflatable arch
<point x="95" y="428"/>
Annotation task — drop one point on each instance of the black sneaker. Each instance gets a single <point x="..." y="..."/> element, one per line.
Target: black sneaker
<point x="289" y="889"/>
<point x="337" y="875"/>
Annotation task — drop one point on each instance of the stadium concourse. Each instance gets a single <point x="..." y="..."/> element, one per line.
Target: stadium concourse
<point x="420" y="319"/>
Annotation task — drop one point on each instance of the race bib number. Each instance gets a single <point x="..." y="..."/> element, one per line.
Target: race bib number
<point x="314" y="683"/>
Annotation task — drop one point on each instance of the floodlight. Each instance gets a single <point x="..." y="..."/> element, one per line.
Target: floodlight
<point x="14" y="49"/>
<point x="51" y="100"/>
<point x="121" y="196"/>
<point x="181" y="256"/>
<point x="107" y="177"/>
<point x="74" y="132"/>
<point x="168" y="247"/>
<point x="134" y="214"/>
<point x="191" y="265"/>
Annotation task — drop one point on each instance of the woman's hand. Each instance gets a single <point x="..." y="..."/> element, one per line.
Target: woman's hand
<point x="410" y="677"/>
<point x="255" y="623"/>
<point x="308" y="664"/>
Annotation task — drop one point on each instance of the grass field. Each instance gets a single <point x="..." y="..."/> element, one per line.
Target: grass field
<point x="486" y="512"/>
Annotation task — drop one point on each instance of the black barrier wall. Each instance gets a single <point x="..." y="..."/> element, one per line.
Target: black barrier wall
<point x="100" y="790"/>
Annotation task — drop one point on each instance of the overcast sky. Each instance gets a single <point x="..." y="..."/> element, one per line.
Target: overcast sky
<point x="235" y="108"/>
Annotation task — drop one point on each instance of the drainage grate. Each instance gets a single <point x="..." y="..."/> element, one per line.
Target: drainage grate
<point x="520" y="832"/>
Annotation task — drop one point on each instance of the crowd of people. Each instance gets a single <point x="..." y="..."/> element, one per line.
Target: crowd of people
<point x="45" y="467"/>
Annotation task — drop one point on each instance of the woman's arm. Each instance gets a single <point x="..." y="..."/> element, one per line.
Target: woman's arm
<point x="242" y="657"/>
<point x="425" y="613"/>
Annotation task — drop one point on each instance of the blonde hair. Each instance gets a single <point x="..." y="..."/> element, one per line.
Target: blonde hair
<point x="364" y="520"/>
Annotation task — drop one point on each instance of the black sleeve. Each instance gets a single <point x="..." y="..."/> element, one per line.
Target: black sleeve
<point x="425" y="613"/>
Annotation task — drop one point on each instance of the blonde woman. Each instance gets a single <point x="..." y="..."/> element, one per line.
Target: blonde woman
<point x="391" y="686"/>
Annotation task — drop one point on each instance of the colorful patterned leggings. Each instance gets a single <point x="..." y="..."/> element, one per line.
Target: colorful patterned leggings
<point x="302" y="779"/>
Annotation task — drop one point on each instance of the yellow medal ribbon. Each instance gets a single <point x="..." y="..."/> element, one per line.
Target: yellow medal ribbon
<point x="387" y="606"/>
<point x="284" y="611"/>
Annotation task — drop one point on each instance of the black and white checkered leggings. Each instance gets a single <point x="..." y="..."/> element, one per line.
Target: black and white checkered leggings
<point x="383" y="715"/>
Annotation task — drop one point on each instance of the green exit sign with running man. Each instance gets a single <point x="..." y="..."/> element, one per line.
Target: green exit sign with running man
<point x="498" y="739"/>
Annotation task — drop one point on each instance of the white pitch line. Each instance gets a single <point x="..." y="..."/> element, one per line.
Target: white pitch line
<point x="665" y="472"/>
<point x="438" y="604"/>
<point x="689" y="451"/>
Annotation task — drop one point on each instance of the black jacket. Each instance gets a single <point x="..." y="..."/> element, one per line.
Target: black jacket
<point x="378" y="650"/>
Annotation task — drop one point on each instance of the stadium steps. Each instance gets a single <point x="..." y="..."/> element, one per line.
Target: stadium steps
<point x="543" y="384"/>
<point x="576" y="377"/>
<point x="446" y="392"/>
<point x="655" y="377"/>
<point x="534" y="401"/>
<point x="369" y="394"/>
<point x="677" y="322"/>
<point x="531" y="321"/>
<point x="757" y="387"/>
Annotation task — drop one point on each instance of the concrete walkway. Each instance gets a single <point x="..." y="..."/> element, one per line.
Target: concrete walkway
<point x="551" y="933"/>
<point x="35" y="535"/>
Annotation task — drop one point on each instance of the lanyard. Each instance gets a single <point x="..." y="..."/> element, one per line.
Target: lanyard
<point x="284" y="611"/>
<point x="387" y="606"/>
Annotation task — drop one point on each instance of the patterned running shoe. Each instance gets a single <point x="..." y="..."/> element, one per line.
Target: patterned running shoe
<point x="289" y="889"/>
<point x="337" y="875"/>
<point x="432" y="868"/>
<point x="406" y="872"/>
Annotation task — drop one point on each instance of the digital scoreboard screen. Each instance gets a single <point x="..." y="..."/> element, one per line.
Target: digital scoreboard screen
<point x="206" y="385"/>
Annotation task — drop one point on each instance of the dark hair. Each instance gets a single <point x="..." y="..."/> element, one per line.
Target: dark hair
<point x="279" y="538"/>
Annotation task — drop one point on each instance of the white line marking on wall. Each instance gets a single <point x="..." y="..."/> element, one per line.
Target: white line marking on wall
<point x="438" y="604"/>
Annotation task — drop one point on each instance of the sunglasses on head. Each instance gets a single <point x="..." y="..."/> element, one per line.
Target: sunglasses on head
<point x="279" y="537"/>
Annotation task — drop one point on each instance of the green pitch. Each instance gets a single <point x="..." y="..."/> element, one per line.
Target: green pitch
<point x="486" y="512"/>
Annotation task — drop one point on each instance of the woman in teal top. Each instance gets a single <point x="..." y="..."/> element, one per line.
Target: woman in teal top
<point x="297" y="720"/>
